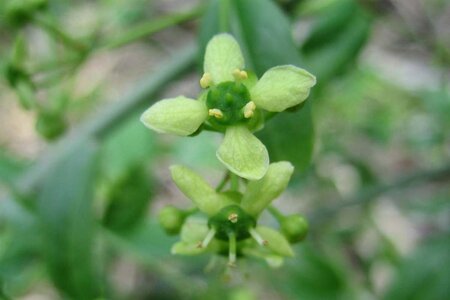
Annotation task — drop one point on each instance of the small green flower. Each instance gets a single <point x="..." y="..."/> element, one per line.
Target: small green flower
<point x="232" y="103"/>
<point x="232" y="218"/>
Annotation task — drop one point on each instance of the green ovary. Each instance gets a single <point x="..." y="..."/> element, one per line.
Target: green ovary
<point x="232" y="220"/>
<point x="230" y="98"/>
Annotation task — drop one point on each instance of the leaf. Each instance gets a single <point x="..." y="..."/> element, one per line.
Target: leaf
<point x="128" y="146"/>
<point x="129" y="199"/>
<point x="425" y="274"/>
<point x="336" y="40"/>
<point x="264" y="35"/>
<point x="290" y="136"/>
<point x="67" y="223"/>
<point x="10" y="168"/>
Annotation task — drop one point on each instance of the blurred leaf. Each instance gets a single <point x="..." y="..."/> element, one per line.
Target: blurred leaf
<point x="313" y="275"/>
<point x="266" y="44"/>
<point x="66" y="217"/>
<point x="19" y="248"/>
<point x="336" y="40"/>
<point x="129" y="146"/>
<point x="128" y="200"/>
<point x="425" y="274"/>
<point x="290" y="136"/>
<point x="147" y="243"/>
<point x="10" y="168"/>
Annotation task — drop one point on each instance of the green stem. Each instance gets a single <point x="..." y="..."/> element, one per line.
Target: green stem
<point x="224" y="16"/>
<point x="234" y="185"/>
<point x="276" y="213"/>
<point x="371" y="193"/>
<point x="55" y="31"/>
<point x="223" y="182"/>
<point x="151" y="27"/>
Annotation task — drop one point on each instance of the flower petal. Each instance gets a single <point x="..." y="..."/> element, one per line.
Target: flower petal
<point x="180" y="116"/>
<point x="275" y="241"/>
<point x="261" y="193"/>
<point x="222" y="56"/>
<point x="243" y="154"/>
<point x="198" y="190"/>
<point x="282" y="87"/>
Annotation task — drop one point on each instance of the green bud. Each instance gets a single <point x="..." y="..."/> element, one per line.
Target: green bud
<point x="294" y="228"/>
<point x="20" y="12"/>
<point x="171" y="219"/>
<point x="50" y="125"/>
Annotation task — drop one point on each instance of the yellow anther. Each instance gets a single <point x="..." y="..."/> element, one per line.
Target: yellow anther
<point x="233" y="218"/>
<point x="206" y="80"/>
<point x="239" y="74"/>
<point x="249" y="109"/>
<point x="215" y="112"/>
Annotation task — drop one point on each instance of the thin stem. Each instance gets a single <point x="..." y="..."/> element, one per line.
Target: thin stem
<point x="372" y="193"/>
<point x="276" y="213"/>
<point x="151" y="27"/>
<point x="223" y="182"/>
<point x="234" y="185"/>
<point x="55" y="31"/>
<point x="224" y="14"/>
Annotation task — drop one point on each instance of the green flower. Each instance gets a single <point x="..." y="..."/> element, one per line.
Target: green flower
<point x="232" y="218"/>
<point x="232" y="103"/>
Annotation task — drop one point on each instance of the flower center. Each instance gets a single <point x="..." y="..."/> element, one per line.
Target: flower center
<point x="229" y="103"/>
<point x="232" y="220"/>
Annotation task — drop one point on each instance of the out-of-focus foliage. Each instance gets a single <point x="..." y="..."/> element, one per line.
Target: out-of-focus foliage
<point x="77" y="219"/>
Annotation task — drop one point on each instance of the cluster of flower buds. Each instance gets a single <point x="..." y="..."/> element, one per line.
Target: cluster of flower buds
<point x="234" y="103"/>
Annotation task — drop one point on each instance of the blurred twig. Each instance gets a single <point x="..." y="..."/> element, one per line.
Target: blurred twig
<point x="371" y="193"/>
<point x="107" y="119"/>
<point x="151" y="27"/>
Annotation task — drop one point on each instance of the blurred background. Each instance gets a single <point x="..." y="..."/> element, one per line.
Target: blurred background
<point x="81" y="179"/>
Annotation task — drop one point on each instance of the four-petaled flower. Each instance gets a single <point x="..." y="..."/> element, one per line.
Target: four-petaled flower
<point x="233" y="103"/>
<point x="231" y="226"/>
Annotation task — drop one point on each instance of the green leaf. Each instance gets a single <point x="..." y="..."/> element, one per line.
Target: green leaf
<point x="10" y="168"/>
<point x="336" y="40"/>
<point x="128" y="199"/>
<point x="425" y="274"/>
<point x="290" y="136"/>
<point x="67" y="223"/>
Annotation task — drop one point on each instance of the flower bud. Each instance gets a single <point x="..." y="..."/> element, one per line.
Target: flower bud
<point x="295" y="228"/>
<point x="171" y="219"/>
<point x="50" y="125"/>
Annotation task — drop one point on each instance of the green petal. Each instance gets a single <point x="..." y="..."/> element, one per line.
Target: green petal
<point x="243" y="154"/>
<point x="180" y="116"/>
<point x="275" y="241"/>
<point x="261" y="193"/>
<point x="194" y="230"/>
<point x="223" y="55"/>
<point x="282" y="87"/>
<point x="198" y="190"/>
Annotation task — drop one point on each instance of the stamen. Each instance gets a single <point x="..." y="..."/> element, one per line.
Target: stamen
<point x="216" y="113"/>
<point x="206" y="80"/>
<point x="249" y="109"/>
<point x="232" y="250"/>
<point x="233" y="218"/>
<point x="239" y="75"/>
<point x="207" y="239"/>
<point x="257" y="237"/>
